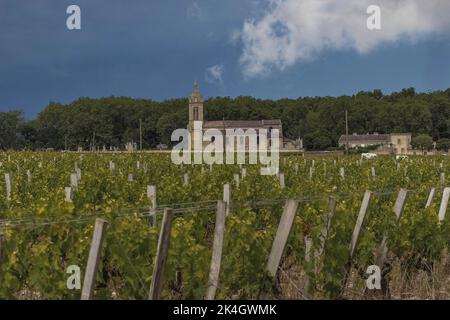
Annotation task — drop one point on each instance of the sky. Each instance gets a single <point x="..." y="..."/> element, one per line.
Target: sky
<point x="156" y="49"/>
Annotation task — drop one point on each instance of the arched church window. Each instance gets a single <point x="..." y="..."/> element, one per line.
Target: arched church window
<point x="269" y="137"/>
<point x="195" y="114"/>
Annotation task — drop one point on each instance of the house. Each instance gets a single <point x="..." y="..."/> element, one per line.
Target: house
<point x="400" y="143"/>
<point x="196" y="118"/>
<point x="393" y="143"/>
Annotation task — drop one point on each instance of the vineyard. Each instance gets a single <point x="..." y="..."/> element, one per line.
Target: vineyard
<point x="222" y="231"/>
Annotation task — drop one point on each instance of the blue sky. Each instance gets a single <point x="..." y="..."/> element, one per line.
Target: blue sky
<point x="156" y="49"/>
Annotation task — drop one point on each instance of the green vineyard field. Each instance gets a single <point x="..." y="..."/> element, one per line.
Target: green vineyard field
<point x="44" y="233"/>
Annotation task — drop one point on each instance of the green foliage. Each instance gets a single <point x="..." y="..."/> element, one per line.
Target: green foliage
<point x="14" y="132"/>
<point x="114" y="121"/>
<point x="422" y="142"/>
<point x="443" y="144"/>
<point x="36" y="255"/>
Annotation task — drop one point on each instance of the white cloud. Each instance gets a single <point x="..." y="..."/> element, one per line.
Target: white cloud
<point x="298" y="30"/>
<point x="214" y="74"/>
<point x="194" y="10"/>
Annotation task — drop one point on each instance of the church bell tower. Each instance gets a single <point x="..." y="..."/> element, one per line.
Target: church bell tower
<point x="195" y="107"/>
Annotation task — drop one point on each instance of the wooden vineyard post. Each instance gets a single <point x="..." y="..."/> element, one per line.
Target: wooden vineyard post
<point x="216" y="259"/>
<point x="161" y="255"/>
<point x="69" y="195"/>
<point x="94" y="257"/>
<point x="400" y="203"/>
<point x="324" y="233"/>
<point x="430" y="197"/>
<point x="186" y="179"/>
<point x="382" y="251"/>
<point x="281" y="178"/>
<point x="8" y="186"/>
<point x="444" y="204"/>
<point x="236" y="179"/>
<point x="151" y="194"/>
<point x="2" y="239"/>
<point x="73" y="180"/>
<point x="28" y="176"/>
<point x="112" y="166"/>
<point x="359" y="222"/>
<point x="308" y="245"/>
<point x="226" y="197"/>
<point x="442" y="213"/>
<point x="284" y="228"/>
<point x="355" y="236"/>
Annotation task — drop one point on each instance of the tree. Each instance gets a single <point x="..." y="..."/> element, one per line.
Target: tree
<point x="11" y="130"/>
<point x="320" y="121"/>
<point x="166" y="126"/>
<point x="317" y="141"/>
<point x="443" y="144"/>
<point x="422" y="142"/>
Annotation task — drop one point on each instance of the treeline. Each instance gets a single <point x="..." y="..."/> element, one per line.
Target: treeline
<point x="114" y="121"/>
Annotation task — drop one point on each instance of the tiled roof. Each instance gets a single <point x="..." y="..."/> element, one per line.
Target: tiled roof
<point x="241" y="123"/>
<point x="372" y="138"/>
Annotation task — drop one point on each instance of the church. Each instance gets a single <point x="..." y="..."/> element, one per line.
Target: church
<point x="196" y="115"/>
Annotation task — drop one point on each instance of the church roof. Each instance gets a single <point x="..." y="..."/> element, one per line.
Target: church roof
<point x="241" y="123"/>
<point x="372" y="138"/>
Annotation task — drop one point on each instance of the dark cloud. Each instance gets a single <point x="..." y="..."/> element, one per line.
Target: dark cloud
<point x="155" y="49"/>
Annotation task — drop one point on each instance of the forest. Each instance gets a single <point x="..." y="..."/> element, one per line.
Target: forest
<point x="114" y="121"/>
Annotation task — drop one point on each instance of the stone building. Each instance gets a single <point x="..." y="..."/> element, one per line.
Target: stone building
<point x="394" y="143"/>
<point x="400" y="143"/>
<point x="196" y="119"/>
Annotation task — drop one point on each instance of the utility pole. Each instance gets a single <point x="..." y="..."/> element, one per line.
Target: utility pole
<point x="140" y="134"/>
<point x="346" y="131"/>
